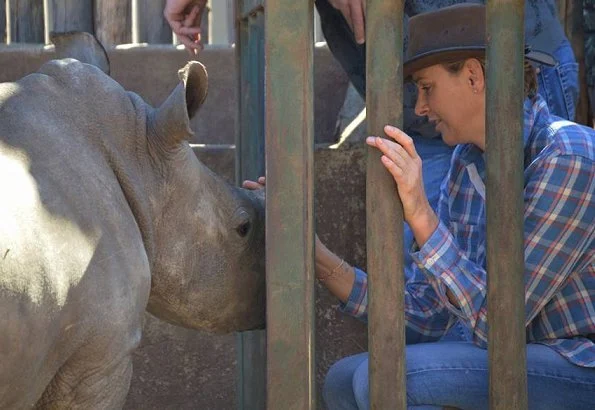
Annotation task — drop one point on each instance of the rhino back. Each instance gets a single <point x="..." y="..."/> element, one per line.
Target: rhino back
<point x="72" y="263"/>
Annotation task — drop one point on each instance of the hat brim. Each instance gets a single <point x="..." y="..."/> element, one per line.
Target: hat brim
<point x="453" y="54"/>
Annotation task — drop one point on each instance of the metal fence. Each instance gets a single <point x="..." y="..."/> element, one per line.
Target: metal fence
<point x="288" y="119"/>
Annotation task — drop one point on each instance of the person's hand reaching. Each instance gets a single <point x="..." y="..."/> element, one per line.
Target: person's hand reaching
<point x="184" y="17"/>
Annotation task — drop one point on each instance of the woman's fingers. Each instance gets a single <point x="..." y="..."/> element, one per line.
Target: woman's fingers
<point x="392" y="150"/>
<point x="392" y="167"/>
<point x="253" y="184"/>
<point x="402" y="139"/>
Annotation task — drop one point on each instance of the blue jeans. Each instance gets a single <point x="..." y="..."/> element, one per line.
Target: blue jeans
<point x="456" y="374"/>
<point x="559" y="85"/>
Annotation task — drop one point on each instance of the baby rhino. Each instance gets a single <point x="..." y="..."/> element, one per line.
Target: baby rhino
<point x="105" y="212"/>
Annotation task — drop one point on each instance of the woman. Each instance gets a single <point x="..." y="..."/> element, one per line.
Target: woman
<point x="343" y="24"/>
<point x="449" y="283"/>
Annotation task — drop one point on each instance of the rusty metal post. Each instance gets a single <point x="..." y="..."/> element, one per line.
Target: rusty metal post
<point x="249" y="164"/>
<point x="504" y="245"/>
<point x="289" y="135"/>
<point x="384" y="102"/>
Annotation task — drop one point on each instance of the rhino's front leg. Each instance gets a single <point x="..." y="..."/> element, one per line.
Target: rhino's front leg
<point x="78" y="386"/>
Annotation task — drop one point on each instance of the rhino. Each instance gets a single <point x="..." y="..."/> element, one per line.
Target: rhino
<point x="106" y="212"/>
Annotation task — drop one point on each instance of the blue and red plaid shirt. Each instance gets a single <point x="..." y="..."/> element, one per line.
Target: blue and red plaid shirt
<point x="559" y="244"/>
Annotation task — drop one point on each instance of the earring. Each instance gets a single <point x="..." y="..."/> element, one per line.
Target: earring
<point x="475" y="91"/>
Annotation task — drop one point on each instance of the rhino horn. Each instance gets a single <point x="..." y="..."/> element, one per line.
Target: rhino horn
<point x="81" y="46"/>
<point x="172" y="118"/>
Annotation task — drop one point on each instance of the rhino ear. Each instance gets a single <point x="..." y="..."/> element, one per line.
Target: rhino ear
<point x="81" y="46"/>
<point x="172" y="119"/>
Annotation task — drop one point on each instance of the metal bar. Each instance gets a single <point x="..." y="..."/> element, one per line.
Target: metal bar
<point x="384" y="91"/>
<point x="504" y="244"/>
<point x="8" y="20"/>
<point x="289" y="133"/>
<point x="250" y="346"/>
<point x="48" y="20"/>
<point x="135" y="19"/>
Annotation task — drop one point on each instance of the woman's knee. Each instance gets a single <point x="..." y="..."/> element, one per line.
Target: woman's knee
<point x="337" y="390"/>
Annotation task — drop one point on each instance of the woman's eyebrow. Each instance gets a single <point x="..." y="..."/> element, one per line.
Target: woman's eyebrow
<point x="416" y="80"/>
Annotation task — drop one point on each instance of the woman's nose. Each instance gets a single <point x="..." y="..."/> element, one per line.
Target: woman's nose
<point x="421" y="108"/>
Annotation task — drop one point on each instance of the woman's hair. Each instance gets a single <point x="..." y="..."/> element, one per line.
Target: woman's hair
<point x="530" y="83"/>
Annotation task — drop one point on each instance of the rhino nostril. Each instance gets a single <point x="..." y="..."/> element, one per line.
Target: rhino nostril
<point x="244" y="229"/>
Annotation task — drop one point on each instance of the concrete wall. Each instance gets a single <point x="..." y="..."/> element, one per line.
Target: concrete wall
<point x="176" y="368"/>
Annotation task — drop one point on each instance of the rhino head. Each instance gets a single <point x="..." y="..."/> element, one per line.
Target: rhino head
<point x="208" y="259"/>
<point x="204" y="237"/>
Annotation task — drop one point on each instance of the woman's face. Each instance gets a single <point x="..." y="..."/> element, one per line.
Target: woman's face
<point x="453" y="102"/>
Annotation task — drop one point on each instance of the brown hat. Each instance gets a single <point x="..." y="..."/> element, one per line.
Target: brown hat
<point x="451" y="34"/>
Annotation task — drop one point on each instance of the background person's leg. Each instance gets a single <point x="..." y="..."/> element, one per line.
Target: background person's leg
<point x="341" y="42"/>
<point x="559" y="85"/>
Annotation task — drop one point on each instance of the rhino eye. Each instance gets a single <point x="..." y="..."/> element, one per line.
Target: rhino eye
<point x="244" y="228"/>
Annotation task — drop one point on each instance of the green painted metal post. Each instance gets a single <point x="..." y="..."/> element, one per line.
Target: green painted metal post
<point x="249" y="17"/>
<point x="504" y="246"/>
<point x="386" y="329"/>
<point x="289" y="131"/>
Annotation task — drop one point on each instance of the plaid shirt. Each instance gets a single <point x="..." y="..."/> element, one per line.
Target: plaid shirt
<point x="559" y="244"/>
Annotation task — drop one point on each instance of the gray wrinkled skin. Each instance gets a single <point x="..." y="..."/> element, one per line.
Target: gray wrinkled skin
<point x="105" y="212"/>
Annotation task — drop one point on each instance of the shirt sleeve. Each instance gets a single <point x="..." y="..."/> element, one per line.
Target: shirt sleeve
<point x="558" y="225"/>
<point x="427" y="319"/>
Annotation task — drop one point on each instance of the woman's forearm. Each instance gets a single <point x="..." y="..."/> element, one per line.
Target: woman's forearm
<point x="333" y="272"/>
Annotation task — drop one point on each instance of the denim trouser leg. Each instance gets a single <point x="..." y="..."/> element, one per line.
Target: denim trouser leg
<point x="559" y="85"/>
<point x="456" y="374"/>
<point x="338" y="389"/>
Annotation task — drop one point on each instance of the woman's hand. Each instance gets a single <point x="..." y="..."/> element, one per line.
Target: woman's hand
<point x="254" y="185"/>
<point x="332" y="271"/>
<point x="401" y="160"/>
